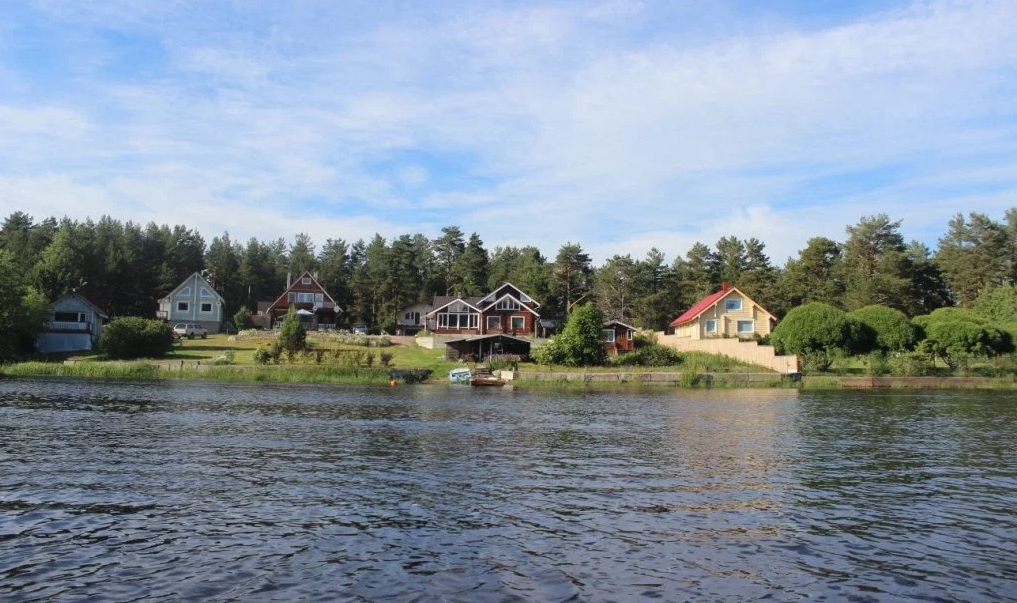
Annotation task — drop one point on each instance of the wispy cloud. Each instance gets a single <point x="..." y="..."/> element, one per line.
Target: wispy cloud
<point x="620" y="124"/>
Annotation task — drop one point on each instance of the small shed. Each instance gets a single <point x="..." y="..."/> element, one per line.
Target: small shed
<point x="619" y="337"/>
<point x="487" y="347"/>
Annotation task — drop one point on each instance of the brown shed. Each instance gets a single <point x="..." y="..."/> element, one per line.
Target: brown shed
<point x="485" y="347"/>
<point x="619" y="337"/>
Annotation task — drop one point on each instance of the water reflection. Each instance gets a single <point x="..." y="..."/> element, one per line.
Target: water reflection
<point x="221" y="492"/>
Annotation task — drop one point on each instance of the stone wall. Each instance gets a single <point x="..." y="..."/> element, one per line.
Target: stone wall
<point x="745" y="351"/>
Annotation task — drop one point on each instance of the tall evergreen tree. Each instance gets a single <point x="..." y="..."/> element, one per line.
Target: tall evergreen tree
<point x="971" y="256"/>
<point x="301" y="255"/>
<point x="816" y="275"/>
<point x="572" y="276"/>
<point x="447" y="249"/>
<point x="876" y="267"/>
<point x="471" y="268"/>
<point x="702" y="270"/>
<point x="334" y="271"/>
<point x="222" y="265"/>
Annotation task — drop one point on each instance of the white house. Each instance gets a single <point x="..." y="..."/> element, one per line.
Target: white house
<point x="194" y="300"/>
<point x="75" y="325"/>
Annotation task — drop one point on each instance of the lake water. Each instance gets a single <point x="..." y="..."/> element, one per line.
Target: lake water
<point x="182" y="491"/>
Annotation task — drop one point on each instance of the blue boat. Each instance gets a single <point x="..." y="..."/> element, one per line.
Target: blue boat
<point x="460" y="376"/>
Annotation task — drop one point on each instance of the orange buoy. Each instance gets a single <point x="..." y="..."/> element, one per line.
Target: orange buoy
<point x="392" y="383"/>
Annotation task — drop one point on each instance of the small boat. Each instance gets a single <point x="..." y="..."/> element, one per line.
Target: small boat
<point x="460" y="376"/>
<point x="484" y="378"/>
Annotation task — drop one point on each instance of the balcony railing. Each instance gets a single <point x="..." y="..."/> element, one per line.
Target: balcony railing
<point x="162" y="314"/>
<point x="59" y="325"/>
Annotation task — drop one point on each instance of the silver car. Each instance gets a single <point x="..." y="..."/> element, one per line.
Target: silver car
<point x="189" y="330"/>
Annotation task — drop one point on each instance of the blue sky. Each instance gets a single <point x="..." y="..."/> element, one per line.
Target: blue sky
<point x="620" y="124"/>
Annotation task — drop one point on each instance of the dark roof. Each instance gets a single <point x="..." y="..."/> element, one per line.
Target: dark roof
<point x="493" y="336"/>
<point x="441" y="300"/>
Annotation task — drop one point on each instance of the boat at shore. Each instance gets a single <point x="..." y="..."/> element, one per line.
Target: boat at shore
<point x="482" y="377"/>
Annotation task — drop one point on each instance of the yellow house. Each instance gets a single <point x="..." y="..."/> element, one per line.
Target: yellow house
<point x="726" y="313"/>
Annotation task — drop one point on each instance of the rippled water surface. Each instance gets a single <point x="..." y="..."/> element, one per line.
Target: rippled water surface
<point x="152" y="492"/>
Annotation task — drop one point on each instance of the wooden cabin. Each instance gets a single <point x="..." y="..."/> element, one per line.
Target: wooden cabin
<point x="619" y="337"/>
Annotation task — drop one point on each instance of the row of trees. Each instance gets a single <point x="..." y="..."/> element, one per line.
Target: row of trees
<point x="126" y="267"/>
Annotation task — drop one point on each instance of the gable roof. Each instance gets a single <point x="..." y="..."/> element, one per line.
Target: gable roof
<point x="82" y="299"/>
<point x="297" y="280"/>
<point x="520" y="291"/>
<point x="187" y="280"/>
<point x="469" y="301"/>
<point x="618" y="322"/>
<point x="707" y="302"/>
<point x="515" y="299"/>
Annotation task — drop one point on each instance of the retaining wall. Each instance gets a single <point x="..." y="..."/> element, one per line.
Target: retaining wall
<point x="745" y="351"/>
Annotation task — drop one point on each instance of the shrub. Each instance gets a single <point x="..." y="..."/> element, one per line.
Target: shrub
<point x="957" y="334"/>
<point x="262" y="356"/>
<point x="649" y="355"/>
<point x="242" y="319"/>
<point x="369" y="359"/>
<point x="292" y="336"/>
<point x="877" y="364"/>
<point x="134" y="337"/>
<point x="998" y="304"/>
<point x="817" y="333"/>
<point x="386" y="358"/>
<point x="910" y="364"/>
<point x="581" y="342"/>
<point x="892" y="330"/>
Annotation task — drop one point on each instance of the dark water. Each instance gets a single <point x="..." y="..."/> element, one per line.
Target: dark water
<point x="160" y="492"/>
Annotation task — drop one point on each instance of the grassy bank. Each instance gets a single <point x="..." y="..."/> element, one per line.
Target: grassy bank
<point x="141" y="371"/>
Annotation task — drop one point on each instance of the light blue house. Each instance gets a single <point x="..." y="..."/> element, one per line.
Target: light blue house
<point x="75" y="325"/>
<point x="193" y="301"/>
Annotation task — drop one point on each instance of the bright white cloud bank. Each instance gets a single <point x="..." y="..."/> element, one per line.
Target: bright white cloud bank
<point x="621" y="125"/>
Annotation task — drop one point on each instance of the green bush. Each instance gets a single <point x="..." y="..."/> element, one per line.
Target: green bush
<point x="224" y="359"/>
<point x="818" y="333"/>
<point x="243" y="319"/>
<point x="292" y="336"/>
<point x="877" y="364"/>
<point x="910" y="364"/>
<point x="580" y="343"/>
<point x="649" y="355"/>
<point x="262" y="356"/>
<point x="891" y="327"/>
<point x="134" y="337"/>
<point x="956" y="335"/>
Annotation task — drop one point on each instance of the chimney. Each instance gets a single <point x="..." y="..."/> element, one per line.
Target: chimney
<point x="725" y="286"/>
<point x="289" y="279"/>
<point x="315" y="275"/>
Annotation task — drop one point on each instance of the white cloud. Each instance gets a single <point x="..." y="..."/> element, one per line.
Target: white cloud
<point x="570" y="121"/>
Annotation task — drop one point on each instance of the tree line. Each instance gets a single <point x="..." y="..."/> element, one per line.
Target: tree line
<point x="126" y="267"/>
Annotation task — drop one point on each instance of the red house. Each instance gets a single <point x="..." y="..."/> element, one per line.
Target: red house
<point x="506" y="310"/>
<point x="618" y="337"/>
<point x="316" y="308"/>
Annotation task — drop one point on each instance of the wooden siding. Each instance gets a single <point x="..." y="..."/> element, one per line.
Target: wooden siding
<point x="727" y="320"/>
<point x="622" y="342"/>
<point x="190" y="292"/>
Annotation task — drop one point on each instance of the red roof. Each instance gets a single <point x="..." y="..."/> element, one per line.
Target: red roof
<point x="701" y="305"/>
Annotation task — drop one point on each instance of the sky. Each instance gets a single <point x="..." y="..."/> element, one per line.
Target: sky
<point x="619" y="124"/>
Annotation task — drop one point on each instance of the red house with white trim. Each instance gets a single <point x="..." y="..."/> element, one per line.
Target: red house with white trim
<point x="506" y="310"/>
<point x="316" y="308"/>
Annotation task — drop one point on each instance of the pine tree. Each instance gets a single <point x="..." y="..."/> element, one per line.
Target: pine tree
<point x="471" y="268"/>
<point x="302" y="255"/>
<point x="572" y="276"/>
<point x="447" y="249"/>
<point x="876" y="267"/>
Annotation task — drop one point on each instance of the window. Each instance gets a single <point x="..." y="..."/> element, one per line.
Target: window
<point x="518" y="323"/>
<point x="319" y="298"/>
<point x="746" y="327"/>
<point x="68" y="317"/>
<point x="183" y="306"/>
<point x="205" y="292"/>
<point x="507" y="304"/>
<point x="494" y="322"/>
<point x="732" y="304"/>
<point x="458" y="321"/>
<point x="185" y="292"/>
<point x="416" y="318"/>
<point x="406" y="316"/>
<point x="305" y="298"/>
<point x="292" y="297"/>
<point x="609" y="335"/>
<point x="206" y="307"/>
<point x="305" y="281"/>
<point x="711" y="326"/>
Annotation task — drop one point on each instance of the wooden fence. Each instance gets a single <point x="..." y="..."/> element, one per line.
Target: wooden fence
<point x="745" y="351"/>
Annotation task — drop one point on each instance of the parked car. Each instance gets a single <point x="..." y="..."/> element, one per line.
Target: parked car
<point x="360" y="329"/>
<point x="189" y="330"/>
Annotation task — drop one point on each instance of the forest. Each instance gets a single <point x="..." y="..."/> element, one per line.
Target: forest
<point x="126" y="267"/>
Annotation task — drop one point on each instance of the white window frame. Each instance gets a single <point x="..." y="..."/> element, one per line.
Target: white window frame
<point x="305" y="281"/>
<point x="732" y="305"/>
<point x="305" y="297"/>
<point x="608" y="335"/>
<point x="185" y="292"/>
<point x="512" y="323"/>
<point x="472" y="322"/>
<point x="206" y="293"/>
<point x="706" y="325"/>
<point x="752" y="326"/>
<point x="186" y="306"/>
<point x="202" y="309"/>
<point x="319" y="298"/>
<point x="291" y="297"/>
<point x="489" y="319"/>
<point x="508" y="304"/>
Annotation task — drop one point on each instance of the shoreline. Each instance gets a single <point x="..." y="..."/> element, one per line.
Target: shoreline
<point x="586" y="380"/>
